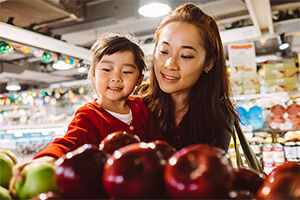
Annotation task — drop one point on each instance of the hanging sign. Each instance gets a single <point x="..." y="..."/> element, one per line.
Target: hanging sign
<point x="242" y="59"/>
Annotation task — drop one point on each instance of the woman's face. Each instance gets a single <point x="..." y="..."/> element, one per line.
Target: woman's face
<point x="179" y="58"/>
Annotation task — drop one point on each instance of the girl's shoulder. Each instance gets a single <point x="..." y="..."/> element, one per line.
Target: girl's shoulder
<point x="135" y="99"/>
<point x="88" y="106"/>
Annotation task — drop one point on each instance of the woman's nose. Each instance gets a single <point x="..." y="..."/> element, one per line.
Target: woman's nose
<point x="171" y="63"/>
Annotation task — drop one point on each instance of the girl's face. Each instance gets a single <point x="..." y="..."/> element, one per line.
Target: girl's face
<point x="179" y="58"/>
<point x="116" y="76"/>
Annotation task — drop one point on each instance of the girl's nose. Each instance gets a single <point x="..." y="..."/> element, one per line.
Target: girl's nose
<point x="116" y="78"/>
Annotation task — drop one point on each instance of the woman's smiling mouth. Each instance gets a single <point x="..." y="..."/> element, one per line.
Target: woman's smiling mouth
<point x="170" y="77"/>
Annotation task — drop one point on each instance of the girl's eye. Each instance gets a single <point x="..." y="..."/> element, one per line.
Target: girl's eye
<point x="127" y="72"/>
<point x="187" y="57"/>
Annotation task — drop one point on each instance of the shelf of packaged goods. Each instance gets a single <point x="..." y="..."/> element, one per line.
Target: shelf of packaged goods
<point x="256" y="96"/>
<point x="275" y="130"/>
<point x="33" y="126"/>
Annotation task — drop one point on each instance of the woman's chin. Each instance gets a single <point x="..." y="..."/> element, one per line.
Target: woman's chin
<point x="168" y="89"/>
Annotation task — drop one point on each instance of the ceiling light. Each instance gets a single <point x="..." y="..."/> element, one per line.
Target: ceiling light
<point x="13" y="86"/>
<point x="82" y="69"/>
<point x="153" y="9"/>
<point x="283" y="45"/>
<point x="61" y="65"/>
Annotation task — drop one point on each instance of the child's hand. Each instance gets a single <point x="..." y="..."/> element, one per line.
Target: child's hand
<point x="17" y="171"/>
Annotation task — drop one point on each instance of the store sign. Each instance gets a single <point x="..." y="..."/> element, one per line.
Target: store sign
<point x="242" y="59"/>
<point x="243" y="77"/>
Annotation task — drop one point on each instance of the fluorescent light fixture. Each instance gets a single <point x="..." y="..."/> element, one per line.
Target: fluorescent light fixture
<point x="284" y="46"/>
<point x="13" y="86"/>
<point x="61" y="65"/>
<point x="154" y="9"/>
<point x="38" y="40"/>
<point x="82" y="69"/>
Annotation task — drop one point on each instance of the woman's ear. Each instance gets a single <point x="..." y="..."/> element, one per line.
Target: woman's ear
<point x="140" y="80"/>
<point x="210" y="65"/>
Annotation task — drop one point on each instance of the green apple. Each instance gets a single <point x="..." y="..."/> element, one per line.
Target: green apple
<point x="6" y="165"/>
<point x="4" y="194"/>
<point x="12" y="156"/>
<point x="37" y="177"/>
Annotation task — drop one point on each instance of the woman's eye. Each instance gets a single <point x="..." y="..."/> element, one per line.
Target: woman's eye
<point x="163" y="52"/>
<point x="106" y="69"/>
<point x="187" y="57"/>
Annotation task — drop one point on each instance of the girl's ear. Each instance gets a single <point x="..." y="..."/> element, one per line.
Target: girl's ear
<point x="140" y="80"/>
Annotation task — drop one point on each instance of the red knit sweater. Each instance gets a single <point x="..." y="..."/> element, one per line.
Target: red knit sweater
<point x="91" y="123"/>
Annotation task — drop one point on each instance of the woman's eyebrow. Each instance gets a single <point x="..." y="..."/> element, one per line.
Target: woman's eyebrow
<point x="189" y="47"/>
<point x="164" y="42"/>
<point x="184" y="46"/>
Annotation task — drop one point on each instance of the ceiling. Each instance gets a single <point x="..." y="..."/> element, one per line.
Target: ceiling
<point x="69" y="27"/>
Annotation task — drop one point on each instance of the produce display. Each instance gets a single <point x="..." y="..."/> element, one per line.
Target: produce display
<point x="199" y="171"/>
<point x="282" y="183"/>
<point x="150" y="170"/>
<point x="247" y="182"/>
<point x="134" y="171"/>
<point x="117" y="140"/>
<point x="4" y="193"/>
<point x="36" y="178"/>
<point x="7" y="160"/>
<point x="79" y="173"/>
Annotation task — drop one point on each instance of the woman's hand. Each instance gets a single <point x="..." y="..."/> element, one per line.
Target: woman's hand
<point x="17" y="171"/>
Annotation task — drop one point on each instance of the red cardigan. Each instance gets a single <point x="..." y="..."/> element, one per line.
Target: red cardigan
<point x="91" y="123"/>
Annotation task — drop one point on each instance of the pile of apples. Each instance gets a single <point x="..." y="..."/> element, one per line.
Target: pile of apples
<point x="124" y="167"/>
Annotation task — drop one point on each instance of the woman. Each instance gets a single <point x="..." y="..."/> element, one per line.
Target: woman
<point x="189" y="88"/>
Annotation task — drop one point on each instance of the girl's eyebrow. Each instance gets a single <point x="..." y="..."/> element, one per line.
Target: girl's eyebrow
<point x="106" y="61"/>
<point x="184" y="46"/>
<point x="130" y="65"/>
<point x="125" y="64"/>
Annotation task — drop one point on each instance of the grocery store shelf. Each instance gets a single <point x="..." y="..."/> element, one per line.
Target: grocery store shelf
<point x="275" y="130"/>
<point x="32" y="126"/>
<point x="255" y="96"/>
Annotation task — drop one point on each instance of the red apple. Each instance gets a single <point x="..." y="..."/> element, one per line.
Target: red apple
<point x="79" y="173"/>
<point x="247" y="179"/>
<point x="282" y="183"/>
<point x="47" y="196"/>
<point x="134" y="171"/>
<point x="117" y="140"/>
<point x="199" y="171"/>
<point x="163" y="149"/>
<point x="240" y="194"/>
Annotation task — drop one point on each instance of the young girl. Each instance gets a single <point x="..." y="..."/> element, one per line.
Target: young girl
<point x="116" y="69"/>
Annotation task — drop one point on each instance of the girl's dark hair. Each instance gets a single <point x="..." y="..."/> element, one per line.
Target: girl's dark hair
<point x="210" y="108"/>
<point x="111" y="43"/>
